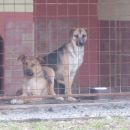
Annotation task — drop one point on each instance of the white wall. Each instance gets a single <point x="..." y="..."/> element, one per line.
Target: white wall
<point x="114" y="10"/>
<point x="16" y="5"/>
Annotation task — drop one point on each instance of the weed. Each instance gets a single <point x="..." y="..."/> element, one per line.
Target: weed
<point x="39" y="126"/>
<point x="123" y="129"/>
<point x="14" y="128"/>
<point x="98" y="125"/>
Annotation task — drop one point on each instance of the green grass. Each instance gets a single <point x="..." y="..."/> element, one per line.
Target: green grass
<point x="14" y="128"/>
<point x="39" y="126"/>
<point x="115" y="123"/>
<point x="123" y="129"/>
<point x="98" y="125"/>
<point x="80" y="129"/>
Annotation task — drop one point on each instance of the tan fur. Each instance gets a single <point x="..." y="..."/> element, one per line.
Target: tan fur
<point x="40" y="83"/>
<point x="70" y="57"/>
<point x="73" y="58"/>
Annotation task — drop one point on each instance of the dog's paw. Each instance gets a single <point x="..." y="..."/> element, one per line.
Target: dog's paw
<point x="60" y="98"/>
<point x="71" y="99"/>
<point x="13" y="101"/>
<point x="16" y="101"/>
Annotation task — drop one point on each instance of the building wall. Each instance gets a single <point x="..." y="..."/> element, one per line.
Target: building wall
<point x="114" y="42"/>
<point x="114" y="10"/>
<point x="16" y="28"/>
<point x="16" y="6"/>
<point x="53" y="22"/>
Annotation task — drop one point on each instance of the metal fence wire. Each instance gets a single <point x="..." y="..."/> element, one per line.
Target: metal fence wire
<point x="34" y="28"/>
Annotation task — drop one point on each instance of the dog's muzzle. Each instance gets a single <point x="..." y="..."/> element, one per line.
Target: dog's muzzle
<point x="81" y="42"/>
<point x="28" y="72"/>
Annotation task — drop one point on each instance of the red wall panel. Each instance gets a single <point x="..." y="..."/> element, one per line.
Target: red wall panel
<point x="68" y="14"/>
<point x="14" y="27"/>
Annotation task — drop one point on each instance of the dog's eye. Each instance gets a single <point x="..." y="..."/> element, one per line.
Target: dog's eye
<point x="84" y="36"/>
<point x="76" y="36"/>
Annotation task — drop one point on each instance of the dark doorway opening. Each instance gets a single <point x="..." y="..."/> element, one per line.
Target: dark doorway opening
<point x="1" y="65"/>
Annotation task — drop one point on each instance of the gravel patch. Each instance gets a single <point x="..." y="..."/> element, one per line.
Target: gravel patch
<point x="65" y="111"/>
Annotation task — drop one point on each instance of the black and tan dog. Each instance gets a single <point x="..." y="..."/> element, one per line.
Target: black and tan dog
<point x="67" y="59"/>
<point x="38" y="80"/>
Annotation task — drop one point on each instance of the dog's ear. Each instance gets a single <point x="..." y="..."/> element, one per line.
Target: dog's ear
<point x="86" y="29"/>
<point x="22" y="58"/>
<point x="72" y="31"/>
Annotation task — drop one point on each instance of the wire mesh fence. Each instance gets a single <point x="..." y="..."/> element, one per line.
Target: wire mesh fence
<point x="39" y="27"/>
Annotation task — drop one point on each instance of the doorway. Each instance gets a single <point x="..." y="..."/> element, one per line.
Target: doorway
<point x="1" y="65"/>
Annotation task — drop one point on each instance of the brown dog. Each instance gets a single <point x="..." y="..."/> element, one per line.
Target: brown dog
<point x="67" y="59"/>
<point x="38" y="80"/>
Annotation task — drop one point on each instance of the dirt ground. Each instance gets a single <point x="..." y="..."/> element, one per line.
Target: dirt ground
<point x="115" y="123"/>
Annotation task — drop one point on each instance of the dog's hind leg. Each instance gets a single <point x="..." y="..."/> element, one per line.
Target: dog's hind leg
<point x="68" y="87"/>
<point x="51" y="89"/>
<point x="49" y="74"/>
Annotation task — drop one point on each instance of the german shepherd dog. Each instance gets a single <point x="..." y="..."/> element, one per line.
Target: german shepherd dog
<point x="67" y="60"/>
<point x="38" y="80"/>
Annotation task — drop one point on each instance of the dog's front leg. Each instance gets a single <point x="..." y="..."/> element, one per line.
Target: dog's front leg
<point x="19" y="100"/>
<point x="68" y="79"/>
